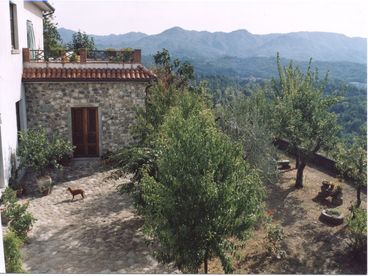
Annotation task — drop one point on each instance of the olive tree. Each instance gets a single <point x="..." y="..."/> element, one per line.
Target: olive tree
<point x="301" y="113"/>
<point x="246" y="121"/>
<point x="204" y="192"/>
<point x="351" y="160"/>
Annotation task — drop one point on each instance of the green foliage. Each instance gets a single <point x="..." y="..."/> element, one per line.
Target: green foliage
<point x="351" y="161"/>
<point x="333" y="212"/>
<point x="275" y="235"/>
<point x="357" y="225"/>
<point x="21" y="221"/>
<point x="73" y="57"/>
<point x="245" y="120"/>
<point x="172" y="73"/>
<point x="352" y="110"/>
<point x="301" y="113"/>
<point x="36" y="151"/>
<point x="204" y="192"/>
<point x="51" y="38"/>
<point x="81" y="41"/>
<point x="158" y="102"/>
<point x="172" y="77"/>
<point x="8" y="197"/>
<point x="12" y="252"/>
<point x="136" y="161"/>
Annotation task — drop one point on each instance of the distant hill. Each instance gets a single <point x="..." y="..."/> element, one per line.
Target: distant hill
<point x="245" y="55"/>
<point x="297" y="46"/>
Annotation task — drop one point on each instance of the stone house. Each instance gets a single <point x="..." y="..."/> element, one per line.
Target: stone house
<point x="91" y="103"/>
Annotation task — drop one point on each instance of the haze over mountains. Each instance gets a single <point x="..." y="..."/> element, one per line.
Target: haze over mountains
<point x="241" y="47"/>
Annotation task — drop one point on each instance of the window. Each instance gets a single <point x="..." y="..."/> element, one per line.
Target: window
<point x="30" y="36"/>
<point x="17" y="109"/>
<point x="31" y="39"/>
<point x="13" y="26"/>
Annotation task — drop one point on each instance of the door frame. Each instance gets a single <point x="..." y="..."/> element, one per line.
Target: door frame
<point x="99" y="125"/>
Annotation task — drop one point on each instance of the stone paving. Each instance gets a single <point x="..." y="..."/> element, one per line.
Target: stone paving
<point x="98" y="234"/>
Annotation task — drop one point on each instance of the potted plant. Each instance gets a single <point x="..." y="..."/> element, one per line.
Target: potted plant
<point x="332" y="216"/>
<point x="38" y="152"/>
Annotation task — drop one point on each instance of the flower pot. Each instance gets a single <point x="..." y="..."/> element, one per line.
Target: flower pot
<point x="331" y="219"/>
<point x="44" y="184"/>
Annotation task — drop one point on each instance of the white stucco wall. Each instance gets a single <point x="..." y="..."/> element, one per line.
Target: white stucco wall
<point x="11" y="75"/>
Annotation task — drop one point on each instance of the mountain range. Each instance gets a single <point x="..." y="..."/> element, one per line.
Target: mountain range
<point x="243" y="53"/>
<point x="241" y="43"/>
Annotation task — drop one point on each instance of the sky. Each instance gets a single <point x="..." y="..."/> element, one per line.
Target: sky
<point x="102" y="17"/>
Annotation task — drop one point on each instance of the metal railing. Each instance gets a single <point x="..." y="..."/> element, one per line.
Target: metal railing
<point x="82" y="56"/>
<point x="124" y="56"/>
<point x="58" y="55"/>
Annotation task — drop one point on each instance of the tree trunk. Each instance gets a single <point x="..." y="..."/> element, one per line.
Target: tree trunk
<point x="205" y="265"/>
<point x="359" y="201"/>
<point x="299" y="175"/>
<point x="297" y="161"/>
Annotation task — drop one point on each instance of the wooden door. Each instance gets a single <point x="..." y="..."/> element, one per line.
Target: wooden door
<point x="85" y="131"/>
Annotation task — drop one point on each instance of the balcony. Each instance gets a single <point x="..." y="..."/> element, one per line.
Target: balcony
<point x="97" y="65"/>
<point x="83" y="56"/>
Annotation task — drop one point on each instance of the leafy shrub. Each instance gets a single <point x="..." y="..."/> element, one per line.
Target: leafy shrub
<point x="275" y="235"/>
<point x="13" y="256"/>
<point x="357" y="225"/>
<point x="8" y="197"/>
<point x="204" y="192"/>
<point x="21" y="221"/>
<point x="135" y="161"/>
<point x="38" y="152"/>
<point x="73" y="58"/>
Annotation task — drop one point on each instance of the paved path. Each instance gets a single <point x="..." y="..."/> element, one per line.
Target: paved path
<point x="99" y="234"/>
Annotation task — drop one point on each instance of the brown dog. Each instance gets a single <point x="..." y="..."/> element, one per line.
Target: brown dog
<point x="76" y="192"/>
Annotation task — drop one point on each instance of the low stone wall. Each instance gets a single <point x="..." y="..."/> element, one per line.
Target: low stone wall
<point x="49" y="106"/>
<point x="317" y="159"/>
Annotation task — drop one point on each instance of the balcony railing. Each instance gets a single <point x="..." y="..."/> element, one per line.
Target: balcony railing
<point x="83" y="56"/>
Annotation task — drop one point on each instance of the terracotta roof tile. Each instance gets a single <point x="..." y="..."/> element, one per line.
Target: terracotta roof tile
<point x="86" y="74"/>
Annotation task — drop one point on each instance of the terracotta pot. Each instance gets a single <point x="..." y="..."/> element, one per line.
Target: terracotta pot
<point x="44" y="184"/>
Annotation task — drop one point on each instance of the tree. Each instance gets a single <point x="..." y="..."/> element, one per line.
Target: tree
<point x="245" y="120"/>
<point x="171" y="78"/>
<point x="204" y="193"/>
<point x="177" y="73"/>
<point x="351" y="161"/>
<point x="302" y="113"/>
<point x="52" y="42"/>
<point x="81" y="40"/>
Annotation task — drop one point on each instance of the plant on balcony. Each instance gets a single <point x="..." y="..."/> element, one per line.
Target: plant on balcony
<point x="38" y="152"/>
<point x="127" y="54"/>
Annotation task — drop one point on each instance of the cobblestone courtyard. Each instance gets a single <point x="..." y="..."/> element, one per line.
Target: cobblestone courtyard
<point x="98" y="234"/>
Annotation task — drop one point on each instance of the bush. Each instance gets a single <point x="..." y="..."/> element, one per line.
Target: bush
<point x="357" y="225"/>
<point x="21" y="221"/>
<point x="36" y="151"/>
<point x="275" y="235"/>
<point x="135" y="161"/>
<point x="204" y="193"/>
<point x="13" y="256"/>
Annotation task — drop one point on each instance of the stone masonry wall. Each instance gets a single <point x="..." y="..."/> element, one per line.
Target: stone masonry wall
<point x="49" y="106"/>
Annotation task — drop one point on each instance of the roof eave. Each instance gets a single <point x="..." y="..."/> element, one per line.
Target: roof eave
<point x="44" y="6"/>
